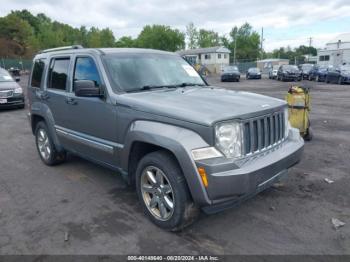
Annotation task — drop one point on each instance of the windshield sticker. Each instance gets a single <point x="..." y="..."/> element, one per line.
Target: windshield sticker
<point x="7" y="77"/>
<point x="190" y="70"/>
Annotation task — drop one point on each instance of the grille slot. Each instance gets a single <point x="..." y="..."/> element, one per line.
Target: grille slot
<point x="6" y="94"/>
<point x="263" y="132"/>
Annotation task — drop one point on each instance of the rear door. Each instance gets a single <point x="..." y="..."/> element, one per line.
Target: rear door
<point x="56" y="89"/>
<point x="92" y="120"/>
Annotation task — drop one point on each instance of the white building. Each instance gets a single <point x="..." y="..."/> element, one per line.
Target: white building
<point x="213" y="58"/>
<point x="336" y="52"/>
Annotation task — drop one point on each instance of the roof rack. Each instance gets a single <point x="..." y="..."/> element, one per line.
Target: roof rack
<point x="62" y="48"/>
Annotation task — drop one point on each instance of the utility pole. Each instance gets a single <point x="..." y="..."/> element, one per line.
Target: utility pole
<point x="310" y="41"/>
<point x="261" y="42"/>
<point x="234" y="51"/>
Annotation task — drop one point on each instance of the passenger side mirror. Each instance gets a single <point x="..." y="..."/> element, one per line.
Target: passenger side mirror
<point x="86" y="88"/>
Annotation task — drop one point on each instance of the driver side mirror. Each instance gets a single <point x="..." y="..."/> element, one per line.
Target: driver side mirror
<point x="86" y="88"/>
<point x="17" y="79"/>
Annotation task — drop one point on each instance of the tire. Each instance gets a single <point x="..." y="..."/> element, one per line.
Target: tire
<point x="238" y="79"/>
<point x="183" y="212"/>
<point x="46" y="148"/>
<point x="340" y="82"/>
<point x="317" y="79"/>
<point x="327" y="80"/>
<point x="309" y="134"/>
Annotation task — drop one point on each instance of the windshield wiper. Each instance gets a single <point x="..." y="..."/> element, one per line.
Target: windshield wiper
<point x="189" y="84"/>
<point x="150" y="87"/>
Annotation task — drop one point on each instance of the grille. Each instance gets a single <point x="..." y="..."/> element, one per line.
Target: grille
<point x="6" y="94"/>
<point x="263" y="132"/>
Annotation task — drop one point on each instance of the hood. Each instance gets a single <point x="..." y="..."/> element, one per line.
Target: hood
<point x="231" y="73"/>
<point x="204" y="106"/>
<point x="295" y="71"/>
<point x="8" y="85"/>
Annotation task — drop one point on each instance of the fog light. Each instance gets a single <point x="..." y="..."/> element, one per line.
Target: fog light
<point x="203" y="175"/>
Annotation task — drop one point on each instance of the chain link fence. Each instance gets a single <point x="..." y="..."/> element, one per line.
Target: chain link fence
<point x="22" y="64"/>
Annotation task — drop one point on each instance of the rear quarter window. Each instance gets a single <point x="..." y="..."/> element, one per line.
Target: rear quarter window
<point x="37" y="73"/>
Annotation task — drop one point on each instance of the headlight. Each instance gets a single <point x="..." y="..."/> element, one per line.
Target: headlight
<point x="286" y="122"/>
<point x="18" y="90"/>
<point x="228" y="139"/>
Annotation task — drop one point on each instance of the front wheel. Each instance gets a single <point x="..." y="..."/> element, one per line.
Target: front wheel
<point x="340" y="81"/>
<point x="163" y="192"/>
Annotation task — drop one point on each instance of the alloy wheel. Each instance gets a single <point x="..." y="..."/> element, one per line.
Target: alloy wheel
<point x="44" y="144"/>
<point x="157" y="193"/>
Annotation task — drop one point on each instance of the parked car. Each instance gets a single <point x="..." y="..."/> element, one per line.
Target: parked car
<point x="288" y="73"/>
<point x="147" y="114"/>
<point x="11" y="94"/>
<point x="230" y="73"/>
<point x="339" y="75"/>
<point x="253" y="73"/>
<point x="273" y="72"/>
<point x="318" y="73"/>
<point x="305" y="70"/>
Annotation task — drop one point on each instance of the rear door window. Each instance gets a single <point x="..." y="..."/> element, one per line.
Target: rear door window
<point x="37" y="75"/>
<point x="58" y="73"/>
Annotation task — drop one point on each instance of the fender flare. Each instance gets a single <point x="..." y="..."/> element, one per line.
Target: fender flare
<point x="43" y="111"/>
<point x="179" y="141"/>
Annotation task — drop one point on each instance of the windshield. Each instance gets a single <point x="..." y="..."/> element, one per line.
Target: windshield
<point x="290" y="67"/>
<point x="231" y="69"/>
<point x="137" y="72"/>
<point x="345" y="68"/>
<point x="5" y="77"/>
<point x="254" y="70"/>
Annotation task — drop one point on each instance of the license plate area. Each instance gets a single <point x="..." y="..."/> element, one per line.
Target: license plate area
<point x="3" y="101"/>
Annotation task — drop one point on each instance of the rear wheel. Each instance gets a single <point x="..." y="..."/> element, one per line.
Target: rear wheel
<point x="46" y="148"/>
<point x="327" y="80"/>
<point x="163" y="192"/>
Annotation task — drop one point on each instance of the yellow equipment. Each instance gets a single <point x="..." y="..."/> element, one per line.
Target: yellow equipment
<point x="298" y="99"/>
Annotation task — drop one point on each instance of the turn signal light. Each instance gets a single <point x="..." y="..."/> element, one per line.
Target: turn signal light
<point x="203" y="175"/>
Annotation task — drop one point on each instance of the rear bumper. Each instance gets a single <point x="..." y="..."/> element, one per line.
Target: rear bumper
<point x="231" y="183"/>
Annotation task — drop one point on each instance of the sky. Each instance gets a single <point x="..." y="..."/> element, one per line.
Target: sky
<point x="286" y="23"/>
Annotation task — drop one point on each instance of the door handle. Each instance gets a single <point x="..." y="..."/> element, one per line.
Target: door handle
<point x="44" y="96"/>
<point x="71" y="101"/>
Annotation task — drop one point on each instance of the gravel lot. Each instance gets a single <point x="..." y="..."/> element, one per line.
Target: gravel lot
<point x="39" y="205"/>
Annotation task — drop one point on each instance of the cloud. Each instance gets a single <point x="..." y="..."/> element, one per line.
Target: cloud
<point x="127" y="17"/>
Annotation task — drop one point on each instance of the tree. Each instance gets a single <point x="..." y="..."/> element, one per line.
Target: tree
<point x="161" y="37"/>
<point x="192" y="36"/>
<point x="125" y="41"/>
<point x="208" y="38"/>
<point x="246" y="40"/>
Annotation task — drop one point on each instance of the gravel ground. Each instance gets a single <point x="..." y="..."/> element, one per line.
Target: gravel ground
<point x="81" y="208"/>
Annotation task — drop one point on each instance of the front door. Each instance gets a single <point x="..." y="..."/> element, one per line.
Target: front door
<point x="91" y="120"/>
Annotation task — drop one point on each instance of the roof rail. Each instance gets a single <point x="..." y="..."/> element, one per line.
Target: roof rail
<point x="62" y="48"/>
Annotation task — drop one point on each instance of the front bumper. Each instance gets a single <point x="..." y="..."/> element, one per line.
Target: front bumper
<point x="230" y="183"/>
<point x="13" y="101"/>
<point x="254" y="76"/>
<point x="291" y="77"/>
<point x="230" y="77"/>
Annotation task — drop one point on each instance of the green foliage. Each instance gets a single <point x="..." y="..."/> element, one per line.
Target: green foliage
<point x="125" y="41"/>
<point x="161" y="37"/>
<point x="294" y="55"/>
<point x="247" y="42"/>
<point x="208" y="38"/>
<point x="192" y="36"/>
